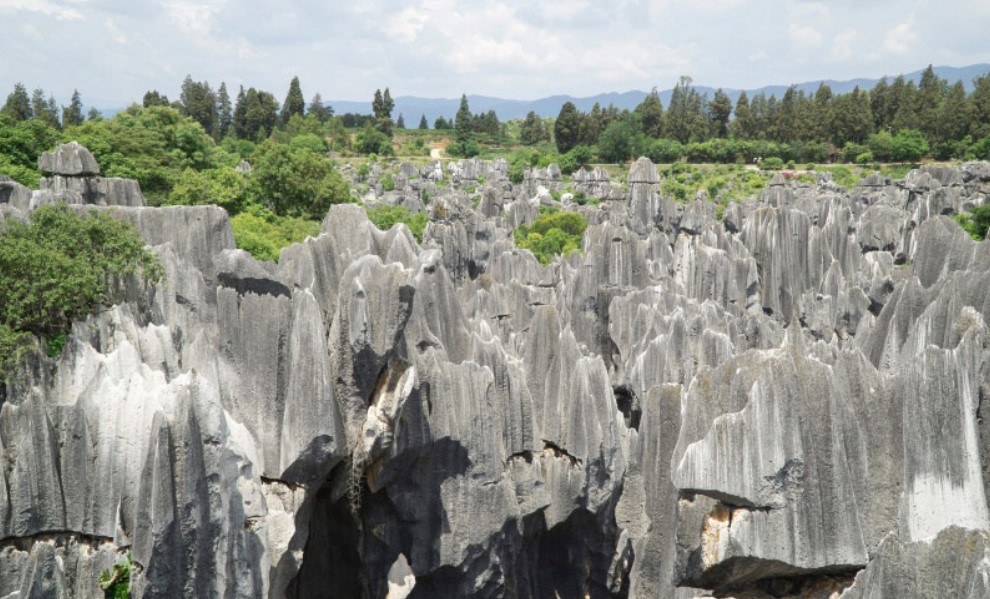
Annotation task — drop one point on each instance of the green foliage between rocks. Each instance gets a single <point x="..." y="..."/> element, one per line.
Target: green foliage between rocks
<point x="264" y="233"/>
<point x="976" y="222"/>
<point x="552" y="234"/>
<point x="59" y="268"/>
<point x="385" y="217"/>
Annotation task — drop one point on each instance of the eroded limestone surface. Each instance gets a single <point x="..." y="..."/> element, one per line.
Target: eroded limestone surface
<point x="787" y="402"/>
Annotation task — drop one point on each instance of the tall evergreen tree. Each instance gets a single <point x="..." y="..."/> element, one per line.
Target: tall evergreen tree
<point x="686" y="119"/>
<point x="255" y="115"/>
<point x="904" y="100"/>
<point x="979" y="108"/>
<point x="719" y="111"/>
<point x="931" y="91"/>
<point x="532" y="130"/>
<point x="567" y="127"/>
<point x="294" y="102"/>
<point x="225" y="113"/>
<point x="593" y="125"/>
<point x="463" y="121"/>
<point x="319" y="109"/>
<point x="423" y="125"/>
<point x="742" y="127"/>
<point x="388" y="105"/>
<point x="852" y="119"/>
<point x="649" y="113"/>
<point x="38" y="104"/>
<point x="94" y="115"/>
<point x="954" y="116"/>
<point x="821" y="114"/>
<point x="441" y="123"/>
<point x="400" y="123"/>
<point x="153" y="98"/>
<point x="72" y="114"/>
<point x="881" y="105"/>
<point x="18" y="105"/>
<point x="378" y="105"/>
<point x="199" y="102"/>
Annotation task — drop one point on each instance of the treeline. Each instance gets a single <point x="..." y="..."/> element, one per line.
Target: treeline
<point x="894" y="121"/>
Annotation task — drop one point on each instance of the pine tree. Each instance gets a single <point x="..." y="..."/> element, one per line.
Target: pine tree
<point x="650" y="114"/>
<point x="686" y="119"/>
<point x="904" y="101"/>
<point x="318" y="109"/>
<point x="423" y="125"/>
<point x="931" y="91"/>
<point x="225" y="115"/>
<point x="741" y="127"/>
<point x="979" y="108"/>
<point x="719" y="111"/>
<point x="94" y="115"/>
<point x="72" y="115"/>
<point x="881" y="106"/>
<point x="378" y="105"/>
<point x="153" y="98"/>
<point x="18" y="105"/>
<point x="52" y="112"/>
<point x="954" y="115"/>
<point x="387" y="104"/>
<point x="821" y="114"/>
<point x="532" y="130"/>
<point x="400" y="123"/>
<point x="441" y="123"/>
<point x="463" y="121"/>
<point x="240" y="114"/>
<point x="38" y="104"/>
<point x="567" y="127"/>
<point x="199" y="103"/>
<point x="852" y="119"/>
<point x="294" y="102"/>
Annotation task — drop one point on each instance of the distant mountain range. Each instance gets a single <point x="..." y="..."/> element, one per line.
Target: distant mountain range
<point x="412" y="107"/>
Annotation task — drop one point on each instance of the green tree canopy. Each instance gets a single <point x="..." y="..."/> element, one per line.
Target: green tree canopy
<point x="650" y="114"/>
<point x="18" y="105"/>
<point x="567" y="127"/>
<point x="296" y="183"/>
<point x="72" y="114"/>
<point x="294" y="102"/>
<point x="59" y="268"/>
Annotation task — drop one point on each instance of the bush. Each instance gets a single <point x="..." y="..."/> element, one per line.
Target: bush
<point x="373" y="141"/>
<point x="263" y="233"/>
<point x="772" y="163"/>
<point x="295" y="183"/>
<point x="59" y="268"/>
<point x="977" y="222"/>
<point x="552" y="234"/>
<point x="222" y="186"/>
<point x="385" y="217"/>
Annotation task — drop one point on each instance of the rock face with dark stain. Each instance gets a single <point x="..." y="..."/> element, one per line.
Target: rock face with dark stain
<point x="788" y="402"/>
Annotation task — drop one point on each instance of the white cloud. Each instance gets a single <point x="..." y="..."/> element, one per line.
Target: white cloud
<point x="842" y="44"/>
<point x="901" y="38"/>
<point x="43" y="7"/>
<point x="804" y="35"/>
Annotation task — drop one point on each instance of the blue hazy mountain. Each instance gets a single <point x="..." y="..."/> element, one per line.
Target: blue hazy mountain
<point x="412" y="107"/>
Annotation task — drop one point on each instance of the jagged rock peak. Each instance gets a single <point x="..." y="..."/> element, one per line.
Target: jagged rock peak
<point x="70" y="160"/>
<point x="643" y="171"/>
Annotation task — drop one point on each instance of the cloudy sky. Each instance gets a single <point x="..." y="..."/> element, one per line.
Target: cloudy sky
<point x="115" y="50"/>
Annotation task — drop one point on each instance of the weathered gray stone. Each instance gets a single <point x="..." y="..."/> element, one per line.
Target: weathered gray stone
<point x="786" y="403"/>
<point x="70" y="160"/>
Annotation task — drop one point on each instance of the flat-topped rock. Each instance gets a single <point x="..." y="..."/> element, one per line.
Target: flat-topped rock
<point x="71" y="160"/>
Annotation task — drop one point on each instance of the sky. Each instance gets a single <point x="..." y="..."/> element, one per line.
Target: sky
<point x="113" y="51"/>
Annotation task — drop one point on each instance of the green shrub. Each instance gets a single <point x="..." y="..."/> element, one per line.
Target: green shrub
<point x="116" y="583"/>
<point x="772" y="163"/>
<point x="263" y="233"/>
<point x="552" y="234"/>
<point x="977" y="222"/>
<point x="295" y="183"/>
<point x="59" y="268"/>
<point x="388" y="182"/>
<point x="385" y="217"/>
<point x="222" y="186"/>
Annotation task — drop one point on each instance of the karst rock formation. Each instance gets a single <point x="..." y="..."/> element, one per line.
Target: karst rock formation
<point x="789" y="399"/>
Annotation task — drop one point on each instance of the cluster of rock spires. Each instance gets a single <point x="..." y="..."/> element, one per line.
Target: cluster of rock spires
<point x="785" y="402"/>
